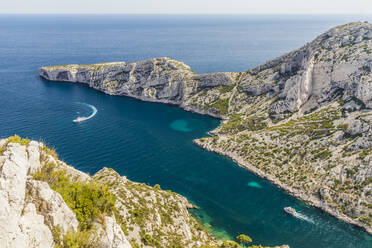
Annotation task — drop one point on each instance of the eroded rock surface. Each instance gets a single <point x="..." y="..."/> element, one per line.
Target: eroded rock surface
<point x="30" y="211"/>
<point x="302" y="120"/>
<point x="20" y="224"/>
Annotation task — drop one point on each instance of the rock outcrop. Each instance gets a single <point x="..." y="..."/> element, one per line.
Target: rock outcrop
<point x="157" y="80"/>
<point x="43" y="204"/>
<point x="336" y="64"/>
<point x="149" y="213"/>
<point x="51" y="205"/>
<point x="20" y="224"/>
<point x="30" y="210"/>
<point x="302" y="120"/>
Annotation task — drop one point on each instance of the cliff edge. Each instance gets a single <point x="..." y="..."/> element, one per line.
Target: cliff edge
<point x="302" y="120"/>
<point x="46" y="203"/>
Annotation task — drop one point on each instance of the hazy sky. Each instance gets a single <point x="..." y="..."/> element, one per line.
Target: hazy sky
<point x="188" y="6"/>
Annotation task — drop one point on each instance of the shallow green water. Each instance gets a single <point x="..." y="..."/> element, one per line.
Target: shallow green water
<point x="180" y="125"/>
<point x="151" y="142"/>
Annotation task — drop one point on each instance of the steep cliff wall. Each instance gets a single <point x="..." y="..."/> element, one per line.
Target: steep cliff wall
<point x="157" y="80"/>
<point x="46" y="203"/>
<point x="43" y="204"/>
<point x="302" y="120"/>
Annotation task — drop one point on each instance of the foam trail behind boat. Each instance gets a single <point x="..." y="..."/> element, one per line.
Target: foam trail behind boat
<point x="84" y="118"/>
<point x="303" y="217"/>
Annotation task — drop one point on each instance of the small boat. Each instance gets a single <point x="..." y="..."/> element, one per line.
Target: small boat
<point x="290" y="211"/>
<point x="294" y="213"/>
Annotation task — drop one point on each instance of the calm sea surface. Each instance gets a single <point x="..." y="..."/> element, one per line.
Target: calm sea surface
<point x="150" y="142"/>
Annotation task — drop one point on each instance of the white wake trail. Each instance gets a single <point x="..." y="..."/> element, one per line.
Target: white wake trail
<point x="303" y="217"/>
<point x="84" y="118"/>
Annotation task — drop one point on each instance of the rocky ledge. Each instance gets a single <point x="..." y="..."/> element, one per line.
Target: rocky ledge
<point x="46" y="203"/>
<point x="302" y="120"/>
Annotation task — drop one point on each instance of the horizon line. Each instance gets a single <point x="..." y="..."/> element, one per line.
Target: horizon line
<point x="123" y="13"/>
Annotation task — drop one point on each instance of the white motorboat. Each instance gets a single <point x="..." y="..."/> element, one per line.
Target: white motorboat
<point x="290" y="211"/>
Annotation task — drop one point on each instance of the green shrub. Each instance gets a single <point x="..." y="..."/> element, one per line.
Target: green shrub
<point x="366" y="219"/>
<point x="134" y="243"/>
<point x="148" y="240"/>
<point x="19" y="140"/>
<point x="51" y="152"/>
<point x="78" y="239"/>
<point x="2" y="149"/>
<point x="230" y="244"/>
<point x="343" y="126"/>
<point x="87" y="199"/>
<point x="221" y="105"/>
<point x="322" y="155"/>
<point x="225" y="89"/>
<point x="244" y="239"/>
<point x="237" y="123"/>
<point x="345" y="57"/>
<point x="365" y="153"/>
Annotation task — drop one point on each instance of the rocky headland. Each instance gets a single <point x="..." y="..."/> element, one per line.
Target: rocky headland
<point x="302" y="120"/>
<point x="46" y="203"/>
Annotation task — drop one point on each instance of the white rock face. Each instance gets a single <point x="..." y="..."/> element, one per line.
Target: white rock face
<point x="20" y="225"/>
<point x="34" y="156"/>
<point x="111" y="235"/>
<point x="32" y="226"/>
<point x="29" y="209"/>
<point x="52" y="206"/>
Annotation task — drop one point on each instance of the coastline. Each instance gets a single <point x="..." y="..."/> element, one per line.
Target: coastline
<point x="264" y="95"/>
<point x="138" y="98"/>
<point x="312" y="201"/>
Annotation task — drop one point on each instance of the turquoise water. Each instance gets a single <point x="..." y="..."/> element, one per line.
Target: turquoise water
<point x="151" y="142"/>
<point x="254" y="185"/>
<point x="180" y="125"/>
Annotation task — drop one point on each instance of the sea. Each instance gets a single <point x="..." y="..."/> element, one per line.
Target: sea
<point x="151" y="142"/>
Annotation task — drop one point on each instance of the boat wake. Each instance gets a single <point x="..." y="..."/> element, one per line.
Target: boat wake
<point x="84" y="118"/>
<point x="297" y="215"/>
<point x="303" y="217"/>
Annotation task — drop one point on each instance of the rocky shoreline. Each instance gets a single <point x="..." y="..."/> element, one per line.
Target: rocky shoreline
<point x="37" y="210"/>
<point x="47" y="203"/>
<point x="296" y="193"/>
<point x="301" y="120"/>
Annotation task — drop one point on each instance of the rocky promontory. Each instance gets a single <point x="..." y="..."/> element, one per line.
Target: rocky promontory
<point x="302" y="120"/>
<point x="46" y="203"/>
<point x="156" y="80"/>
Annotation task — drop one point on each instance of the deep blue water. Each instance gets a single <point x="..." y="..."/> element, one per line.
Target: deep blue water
<point x="151" y="142"/>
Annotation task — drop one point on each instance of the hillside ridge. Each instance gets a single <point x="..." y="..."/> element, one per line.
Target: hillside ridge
<point x="47" y="203"/>
<point x="301" y="120"/>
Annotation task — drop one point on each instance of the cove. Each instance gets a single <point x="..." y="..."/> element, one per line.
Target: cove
<point x="136" y="138"/>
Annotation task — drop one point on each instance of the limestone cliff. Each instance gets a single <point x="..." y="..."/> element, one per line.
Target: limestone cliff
<point x="37" y="211"/>
<point x="157" y="80"/>
<point x="32" y="214"/>
<point x="302" y="120"/>
<point x="46" y="203"/>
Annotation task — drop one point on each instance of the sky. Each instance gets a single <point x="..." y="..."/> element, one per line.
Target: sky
<point x="188" y="6"/>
